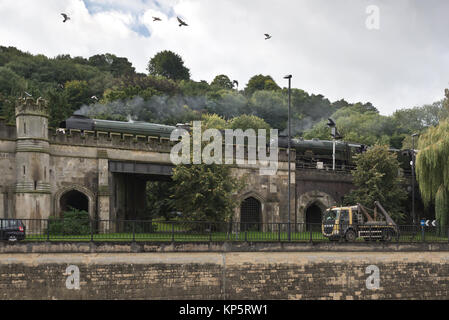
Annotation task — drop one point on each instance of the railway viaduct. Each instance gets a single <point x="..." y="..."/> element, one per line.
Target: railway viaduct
<point x="105" y="173"/>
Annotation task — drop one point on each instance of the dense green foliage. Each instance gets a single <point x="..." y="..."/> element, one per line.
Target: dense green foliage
<point x="205" y="192"/>
<point x="108" y="87"/>
<point x="72" y="222"/>
<point x="168" y="64"/>
<point x="201" y="192"/>
<point x="221" y="81"/>
<point x="363" y="124"/>
<point x="376" y="178"/>
<point x="432" y="170"/>
<point x="159" y="201"/>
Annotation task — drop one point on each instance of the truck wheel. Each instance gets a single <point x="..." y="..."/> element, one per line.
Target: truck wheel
<point x="350" y="235"/>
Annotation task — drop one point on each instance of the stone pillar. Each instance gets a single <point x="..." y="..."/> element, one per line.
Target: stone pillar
<point x="32" y="189"/>
<point x="2" y="205"/>
<point x="103" y="212"/>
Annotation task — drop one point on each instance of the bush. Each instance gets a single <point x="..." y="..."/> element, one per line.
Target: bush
<point x="73" y="222"/>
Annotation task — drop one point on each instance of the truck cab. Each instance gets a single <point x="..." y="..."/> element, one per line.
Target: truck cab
<point x="340" y="222"/>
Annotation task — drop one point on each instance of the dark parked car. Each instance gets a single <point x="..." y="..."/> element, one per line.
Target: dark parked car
<point x="12" y="229"/>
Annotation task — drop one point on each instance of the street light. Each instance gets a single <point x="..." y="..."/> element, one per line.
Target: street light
<point x="335" y="135"/>
<point x="289" y="77"/>
<point x="413" y="177"/>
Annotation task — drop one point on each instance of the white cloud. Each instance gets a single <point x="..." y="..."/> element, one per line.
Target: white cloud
<point x="323" y="44"/>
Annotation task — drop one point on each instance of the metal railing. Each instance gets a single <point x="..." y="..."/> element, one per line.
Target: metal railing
<point x="158" y="230"/>
<point x="340" y="168"/>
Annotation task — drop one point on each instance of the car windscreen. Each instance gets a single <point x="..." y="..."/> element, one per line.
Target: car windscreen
<point x="331" y="215"/>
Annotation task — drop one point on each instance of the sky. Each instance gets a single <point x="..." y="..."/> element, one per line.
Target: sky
<point x="392" y="53"/>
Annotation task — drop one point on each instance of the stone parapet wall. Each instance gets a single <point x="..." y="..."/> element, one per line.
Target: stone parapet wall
<point x="244" y="275"/>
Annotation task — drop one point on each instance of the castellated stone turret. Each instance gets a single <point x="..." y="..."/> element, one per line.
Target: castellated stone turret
<point x="32" y="189"/>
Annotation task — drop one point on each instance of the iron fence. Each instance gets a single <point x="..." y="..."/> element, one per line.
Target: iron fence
<point x="161" y="230"/>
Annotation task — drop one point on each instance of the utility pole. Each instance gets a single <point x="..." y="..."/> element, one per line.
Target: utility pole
<point x="289" y="77"/>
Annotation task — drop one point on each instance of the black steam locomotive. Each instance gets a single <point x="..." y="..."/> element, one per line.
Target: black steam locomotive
<point x="313" y="153"/>
<point x="81" y="122"/>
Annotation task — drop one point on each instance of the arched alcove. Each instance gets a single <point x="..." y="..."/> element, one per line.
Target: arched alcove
<point x="74" y="199"/>
<point x="75" y="196"/>
<point x="250" y="215"/>
<point x="308" y="205"/>
<point x="314" y="213"/>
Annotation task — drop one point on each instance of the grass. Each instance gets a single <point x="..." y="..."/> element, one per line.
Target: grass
<point x="182" y="236"/>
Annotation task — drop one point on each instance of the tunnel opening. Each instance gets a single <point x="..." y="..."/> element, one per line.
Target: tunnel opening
<point x="140" y="190"/>
<point x="250" y="215"/>
<point x="141" y="196"/>
<point x="313" y="217"/>
<point x="74" y="199"/>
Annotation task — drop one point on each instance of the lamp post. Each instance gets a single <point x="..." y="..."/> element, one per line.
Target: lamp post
<point x="413" y="177"/>
<point x="335" y="135"/>
<point x="289" y="77"/>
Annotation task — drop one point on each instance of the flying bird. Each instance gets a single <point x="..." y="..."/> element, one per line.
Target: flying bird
<point x="29" y="95"/>
<point x="66" y="17"/>
<point x="156" y="19"/>
<point x="94" y="98"/>
<point x="181" y="23"/>
<point x="235" y="83"/>
<point x="267" y="36"/>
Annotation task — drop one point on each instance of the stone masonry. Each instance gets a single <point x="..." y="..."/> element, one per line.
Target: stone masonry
<point x="209" y="275"/>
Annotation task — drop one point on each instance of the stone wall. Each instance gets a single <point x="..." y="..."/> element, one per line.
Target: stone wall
<point x="255" y="275"/>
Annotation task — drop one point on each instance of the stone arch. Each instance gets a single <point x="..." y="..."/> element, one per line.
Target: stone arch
<point x="256" y="196"/>
<point x="75" y="188"/>
<point x="308" y="200"/>
<point x="251" y="214"/>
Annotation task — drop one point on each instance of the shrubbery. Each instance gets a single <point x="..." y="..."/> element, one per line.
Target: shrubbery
<point x="73" y="222"/>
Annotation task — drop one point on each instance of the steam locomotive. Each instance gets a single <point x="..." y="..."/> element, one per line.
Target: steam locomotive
<point x="315" y="153"/>
<point x="309" y="153"/>
<point x="81" y="122"/>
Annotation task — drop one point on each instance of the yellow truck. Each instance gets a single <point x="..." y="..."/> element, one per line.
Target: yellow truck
<point x="352" y="222"/>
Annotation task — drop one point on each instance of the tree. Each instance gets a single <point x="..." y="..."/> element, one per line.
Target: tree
<point x="213" y="121"/>
<point x="10" y="82"/>
<point x="205" y="192"/>
<point x="78" y="93"/>
<point x="260" y="82"/>
<point x="432" y="171"/>
<point x="226" y="103"/>
<point x="376" y="179"/>
<point x="245" y="122"/>
<point x="446" y="103"/>
<point x="192" y="88"/>
<point x="118" y="66"/>
<point x="415" y="120"/>
<point x="270" y="106"/>
<point x="168" y="64"/>
<point x="159" y="201"/>
<point x="221" y="82"/>
<point x="58" y="106"/>
<point x="356" y="125"/>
